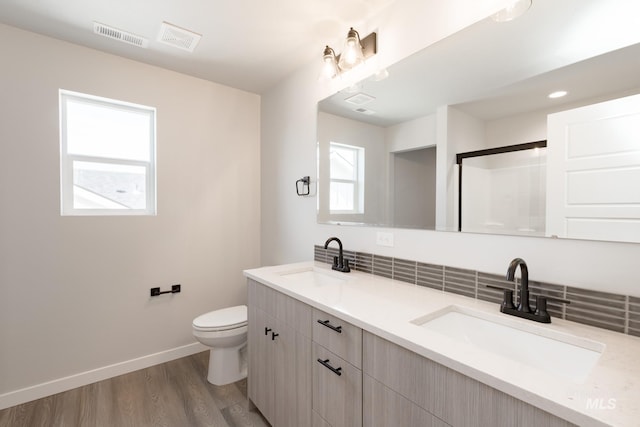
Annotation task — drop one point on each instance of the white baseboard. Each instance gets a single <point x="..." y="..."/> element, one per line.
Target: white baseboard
<point x="28" y="394"/>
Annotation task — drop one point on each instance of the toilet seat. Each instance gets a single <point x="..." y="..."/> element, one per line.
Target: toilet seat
<point x="222" y="320"/>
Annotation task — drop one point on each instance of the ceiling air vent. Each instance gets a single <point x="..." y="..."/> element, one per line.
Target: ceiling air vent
<point x="360" y="99"/>
<point x="116" y="34"/>
<point x="178" y="37"/>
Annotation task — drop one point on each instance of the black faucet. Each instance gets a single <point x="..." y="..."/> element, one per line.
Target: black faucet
<point x="524" y="282"/>
<point x="523" y="310"/>
<point x="339" y="263"/>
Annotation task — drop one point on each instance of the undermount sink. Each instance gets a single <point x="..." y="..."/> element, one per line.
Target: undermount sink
<point x="314" y="276"/>
<point x="540" y="347"/>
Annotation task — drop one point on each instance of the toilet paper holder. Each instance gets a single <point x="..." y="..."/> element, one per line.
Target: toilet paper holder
<point x="174" y="290"/>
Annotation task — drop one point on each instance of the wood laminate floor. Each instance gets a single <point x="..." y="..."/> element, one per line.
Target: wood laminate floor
<point x="173" y="394"/>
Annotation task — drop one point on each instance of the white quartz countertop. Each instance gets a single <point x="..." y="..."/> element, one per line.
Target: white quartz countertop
<point x="610" y="395"/>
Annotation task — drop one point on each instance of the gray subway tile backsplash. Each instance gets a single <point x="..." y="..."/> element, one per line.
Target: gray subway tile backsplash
<point x="404" y="270"/>
<point x="460" y="281"/>
<point x="555" y="309"/>
<point x="489" y="294"/>
<point x="331" y="252"/>
<point x="319" y="254"/>
<point x="364" y="262"/>
<point x="430" y="275"/>
<point x="634" y="316"/>
<point x="351" y="256"/>
<point x="383" y="266"/>
<point x="615" y="312"/>
<point x="601" y="309"/>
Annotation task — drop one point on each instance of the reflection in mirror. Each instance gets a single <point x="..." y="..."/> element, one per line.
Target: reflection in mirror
<point x="351" y="171"/>
<point x="368" y="175"/>
<point x="503" y="190"/>
<point x="346" y="179"/>
<point x="593" y="171"/>
<point x="487" y="87"/>
<point x="413" y="193"/>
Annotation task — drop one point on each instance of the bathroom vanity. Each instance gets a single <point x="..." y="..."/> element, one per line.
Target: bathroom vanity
<point x="334" y="349"/>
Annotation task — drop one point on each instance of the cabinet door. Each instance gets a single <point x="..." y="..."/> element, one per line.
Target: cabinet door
<point x="337" y="392"/>
<point x="279" y="382"/>
<point x="384" y="407"/>
<point x="261" y="375"/>
<point x="451" y="396"/>
<point x="292" y="370"/>
<point x="318" y="421"/>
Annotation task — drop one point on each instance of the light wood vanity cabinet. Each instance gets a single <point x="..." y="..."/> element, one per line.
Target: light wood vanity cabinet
<point x="337" y="377"/>
<point x="308" y="368"/>
<point x="279" y="336"/>
<point x="453" y="398"/>
<point x="384" y="407"/>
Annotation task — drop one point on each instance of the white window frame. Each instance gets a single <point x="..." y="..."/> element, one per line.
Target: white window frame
<point x="67" y="160"/>
<point x="358" y="181"/>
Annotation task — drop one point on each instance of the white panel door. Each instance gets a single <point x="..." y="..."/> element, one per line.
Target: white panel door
<point x="593" y="171"/>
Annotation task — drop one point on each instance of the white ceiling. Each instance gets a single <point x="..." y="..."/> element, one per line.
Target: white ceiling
<point x="246" y="44"/>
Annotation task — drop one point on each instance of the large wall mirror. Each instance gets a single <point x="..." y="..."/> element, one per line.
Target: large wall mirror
<point x="387" y="148"/>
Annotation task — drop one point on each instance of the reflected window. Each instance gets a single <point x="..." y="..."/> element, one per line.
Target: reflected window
<point x="346" y="193"/>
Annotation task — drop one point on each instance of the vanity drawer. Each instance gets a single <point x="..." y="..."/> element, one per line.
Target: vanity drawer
<point x="337" y="389"/>
<point x="338" y="336"/>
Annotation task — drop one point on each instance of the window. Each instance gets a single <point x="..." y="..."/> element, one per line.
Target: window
<point x="346" y="193"/>
<point x="107" y="156"/>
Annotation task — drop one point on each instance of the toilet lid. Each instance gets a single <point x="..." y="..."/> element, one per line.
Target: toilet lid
<point x="226" y="318"/>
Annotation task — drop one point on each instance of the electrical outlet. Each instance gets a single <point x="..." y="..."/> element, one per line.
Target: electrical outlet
<point x="384" y="238"/>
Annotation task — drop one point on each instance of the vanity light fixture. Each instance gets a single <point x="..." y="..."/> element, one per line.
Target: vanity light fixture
<point x="355" y="52"/>
<point x="557" y="94"/>
<point x="515" y="9"/>
<point x="352" y="54"/>
<point x="329" y="64"/>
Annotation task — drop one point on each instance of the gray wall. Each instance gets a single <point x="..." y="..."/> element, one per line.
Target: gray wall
<point x="75" y="290"/>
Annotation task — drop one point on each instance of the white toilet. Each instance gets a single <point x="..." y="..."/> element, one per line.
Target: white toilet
<point x="225" y="331"/>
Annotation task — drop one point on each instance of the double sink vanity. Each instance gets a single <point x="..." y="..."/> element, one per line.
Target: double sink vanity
<point x="333" y="349"/>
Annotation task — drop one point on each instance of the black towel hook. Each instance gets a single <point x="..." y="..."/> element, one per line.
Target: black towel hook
<point x="305" y="180"/>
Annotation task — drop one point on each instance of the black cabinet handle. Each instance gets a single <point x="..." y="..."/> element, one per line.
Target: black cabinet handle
<point x="325" y="363"/>
<point x="326" y="323"/>
<point x="267" y="330"/>
<point x="274" y="335"/>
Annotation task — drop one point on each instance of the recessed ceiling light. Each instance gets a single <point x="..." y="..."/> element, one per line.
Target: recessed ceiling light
<point x="557" y="94"/>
